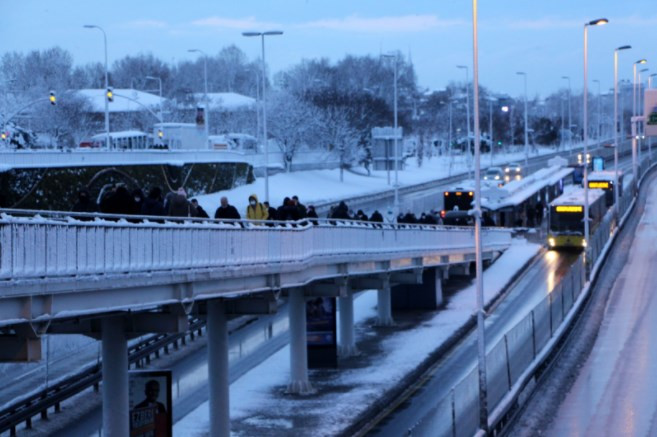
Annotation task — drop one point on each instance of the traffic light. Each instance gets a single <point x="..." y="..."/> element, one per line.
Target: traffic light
<point x="52" y="98"/>
<point x="110" y="95"/>
<point x="4" y="135"/>
<point x="160" y="134"/>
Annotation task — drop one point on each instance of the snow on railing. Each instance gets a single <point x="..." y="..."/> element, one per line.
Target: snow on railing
<point x="50" y="246"/>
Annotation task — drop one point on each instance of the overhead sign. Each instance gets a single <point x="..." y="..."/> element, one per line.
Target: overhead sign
<point x="604" y="185"/>
<point x="150" y="404"/>
<point x="569" y="208"/>
<point x="650" y="111"/>
<point x="386" y="133"/>
<point x="598" y="163"/>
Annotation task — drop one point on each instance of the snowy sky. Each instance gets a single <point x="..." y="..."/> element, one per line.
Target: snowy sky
<point x="543" y="38"/>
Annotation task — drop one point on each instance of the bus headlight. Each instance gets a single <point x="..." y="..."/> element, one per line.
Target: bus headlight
<point x="551" y="242"/>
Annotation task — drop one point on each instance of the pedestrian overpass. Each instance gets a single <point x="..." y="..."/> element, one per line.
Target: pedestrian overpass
<point x="113" y="279"/>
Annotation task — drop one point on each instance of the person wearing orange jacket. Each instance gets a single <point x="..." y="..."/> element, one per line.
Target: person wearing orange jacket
<point x="256" y="210"/>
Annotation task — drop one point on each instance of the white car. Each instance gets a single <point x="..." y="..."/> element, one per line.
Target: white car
<point x="512" y="172"/>
<point x="494" y="174"/>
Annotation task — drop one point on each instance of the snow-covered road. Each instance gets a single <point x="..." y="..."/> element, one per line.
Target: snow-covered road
<point x="616" y="390"/>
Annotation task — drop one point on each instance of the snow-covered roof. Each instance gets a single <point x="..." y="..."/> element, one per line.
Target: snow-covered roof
<point x="516" y="192"/>
<point x="576" y="197"/>
<point x="121" y="134"/>
<point x="121" y="103"/>
<point x="604" y="175"/>
<point x="227" y="101"/>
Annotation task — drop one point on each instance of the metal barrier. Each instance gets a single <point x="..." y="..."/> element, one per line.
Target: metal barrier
<point x="51" y="246"/>
<point x="458" y="413"/>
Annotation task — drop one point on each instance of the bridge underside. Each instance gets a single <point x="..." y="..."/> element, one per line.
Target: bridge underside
<point x="159" y="302"/>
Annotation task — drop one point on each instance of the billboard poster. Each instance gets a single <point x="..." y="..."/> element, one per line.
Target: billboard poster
<point x="200" y="116"/>
<point x="321" y="332"/>
<point x="150" y="403"/>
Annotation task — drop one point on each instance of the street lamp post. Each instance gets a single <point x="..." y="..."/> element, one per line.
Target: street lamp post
<point x="597" y="22"/>
<point x="616" y="187"/>
<point x="634" y="132"/>
<point x="639" y="110"/>
<point x="599" y="116"/>
<point x="524" y="75"/>
<point x="570" y="119"/>
<point x="159" y="81"/>
<point x="107" y="123"/>
<point x="396" y="204"/>
<point x="264" y="100"/>
<point x="490" y="127"/>
<point x="481" y="337"/>
<point x="650" y="137"/>
<point x="467" y="106"/>
<point x="207" y="102"/>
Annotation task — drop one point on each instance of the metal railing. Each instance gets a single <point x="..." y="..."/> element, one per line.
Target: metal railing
<point x="54" y="244"/>
<point x="457" y="414"/>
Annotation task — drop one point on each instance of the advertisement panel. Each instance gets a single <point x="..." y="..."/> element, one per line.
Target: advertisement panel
<point x="150" y="403"/>
<point x="321" y="332"/>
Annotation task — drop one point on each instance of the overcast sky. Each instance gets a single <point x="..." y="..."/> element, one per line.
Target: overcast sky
<point x="543" y="38"/>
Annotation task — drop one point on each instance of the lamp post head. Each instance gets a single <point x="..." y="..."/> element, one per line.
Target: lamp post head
<point x="273" y="32"/>
<point x="641" y="61"/>
<point x="521" y="73"/>
<point x="644" y="70"/>
<point x="251" y="33"/>
<point x="465" y="67"/>
<point x="598" y="22"/>
<point x="623" y="48"/>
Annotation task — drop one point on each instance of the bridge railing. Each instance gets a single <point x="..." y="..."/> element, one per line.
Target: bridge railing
<point x="58" y="245"/>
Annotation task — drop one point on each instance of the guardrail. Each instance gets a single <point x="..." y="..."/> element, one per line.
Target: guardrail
<point x="54" y="244"/>
<point x="522" y="348"/>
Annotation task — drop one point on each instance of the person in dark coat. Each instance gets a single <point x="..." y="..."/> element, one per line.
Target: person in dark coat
<point x="119" y="202"/>
<point x="410" y="218"/>
<point x="312" y="214"/>
<point x="539" y="213"/>
<point x="361" y="216"/>
<point x="376" y="217"/>
<point x="301" y="208"/>
<point x="178" y="205"/>
<point x="271" y="211"/>
<point x="287" y="211"/>
<point x="153" y="205"/>
<point x="226" y="211"/>
<point x="197" y="210"/>
<point x="138" y="197"/>
<point x="85" y="204"/>
<point x="341" y="212"/>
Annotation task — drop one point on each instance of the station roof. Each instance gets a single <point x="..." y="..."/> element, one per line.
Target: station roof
<point x="516" y="192"/>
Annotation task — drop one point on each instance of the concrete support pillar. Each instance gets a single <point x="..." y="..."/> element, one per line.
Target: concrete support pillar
<point x="347" y="343"/>
<point x="115" y="378"/>
<point x="217" y="328"/>
<point x="299" y="383"/>
<point x="438" y="271"/>
<point x="383" y="305"/>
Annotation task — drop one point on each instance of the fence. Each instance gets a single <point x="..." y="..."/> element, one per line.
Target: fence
<point x="42" y="247"/>
<point x="457" y="414"/>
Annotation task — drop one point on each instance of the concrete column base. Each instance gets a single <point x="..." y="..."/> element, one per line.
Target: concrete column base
<point x="347" y="344"/>
<point x="299" y="383"/>
<point x="384" y="306"/>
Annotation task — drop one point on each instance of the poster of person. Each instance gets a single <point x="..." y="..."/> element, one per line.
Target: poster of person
<point x="150" y="404"/>
<point x="320" y="321"/>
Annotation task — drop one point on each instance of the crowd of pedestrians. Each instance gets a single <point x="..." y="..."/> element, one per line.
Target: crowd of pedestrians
<point x="118" y="200"/>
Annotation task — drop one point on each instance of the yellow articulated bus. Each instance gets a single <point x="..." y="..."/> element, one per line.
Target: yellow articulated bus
<point x="566" y="218"/>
